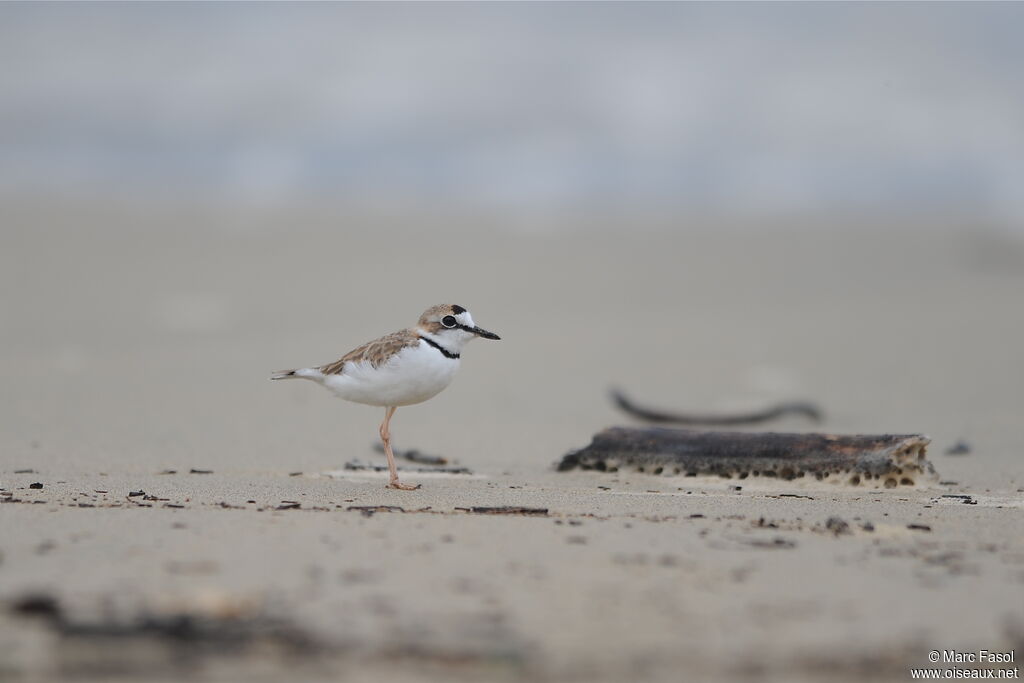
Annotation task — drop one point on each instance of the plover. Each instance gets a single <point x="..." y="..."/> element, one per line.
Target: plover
<point x="400" y="369"/>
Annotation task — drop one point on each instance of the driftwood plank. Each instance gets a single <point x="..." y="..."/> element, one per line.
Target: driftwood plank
<point x="887" y="460"/>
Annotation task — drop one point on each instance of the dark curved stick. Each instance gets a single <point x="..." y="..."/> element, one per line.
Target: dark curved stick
<point x="794" y="408"/>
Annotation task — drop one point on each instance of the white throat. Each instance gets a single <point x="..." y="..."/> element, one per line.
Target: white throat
<point x="451" y="341"/>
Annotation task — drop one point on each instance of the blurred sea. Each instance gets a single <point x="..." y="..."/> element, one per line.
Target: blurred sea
<point x="727" y="109"/>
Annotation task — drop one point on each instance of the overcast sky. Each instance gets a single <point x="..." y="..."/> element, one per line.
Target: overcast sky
<point x="709" y="107"/>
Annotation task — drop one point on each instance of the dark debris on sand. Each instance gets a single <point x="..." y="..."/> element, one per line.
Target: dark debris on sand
<point x="506" y="510"/>
<point x="358" y="466"/>
<point x="370" y="510"/>
<point x="192" y="633"/>
<point x="838" y="526"/>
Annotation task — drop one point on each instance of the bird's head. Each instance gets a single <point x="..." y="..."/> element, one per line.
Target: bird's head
<point x="452" y="326"/>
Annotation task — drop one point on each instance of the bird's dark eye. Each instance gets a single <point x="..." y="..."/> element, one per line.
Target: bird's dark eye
<point x="449" y="321"/>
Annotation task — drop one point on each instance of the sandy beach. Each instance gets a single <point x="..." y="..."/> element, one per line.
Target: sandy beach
<point x="187" y="523"/>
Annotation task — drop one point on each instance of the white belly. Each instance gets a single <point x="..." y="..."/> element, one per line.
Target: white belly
<point x="413" y="375"/>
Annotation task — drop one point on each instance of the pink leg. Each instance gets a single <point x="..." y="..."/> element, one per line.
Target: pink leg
<point x="385" y="436"/>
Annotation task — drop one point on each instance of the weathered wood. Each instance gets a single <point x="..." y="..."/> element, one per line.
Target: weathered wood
<point x="887" y="460"/>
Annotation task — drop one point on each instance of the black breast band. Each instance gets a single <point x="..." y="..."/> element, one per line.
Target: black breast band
<point x="446" y="352"/>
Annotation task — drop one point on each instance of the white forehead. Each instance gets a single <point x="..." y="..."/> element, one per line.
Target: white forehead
<point x="465" y="318"/>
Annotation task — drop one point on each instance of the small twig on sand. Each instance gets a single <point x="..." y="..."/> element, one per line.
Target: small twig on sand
<point x="805" y="408"/>
<point x="413" y="455"/>
<point x="356" y="465"/>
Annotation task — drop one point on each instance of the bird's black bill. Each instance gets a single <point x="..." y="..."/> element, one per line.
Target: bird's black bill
<point x="480" y="332"/>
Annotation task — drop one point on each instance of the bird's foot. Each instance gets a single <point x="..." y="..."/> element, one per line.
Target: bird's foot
<point x="402" y="487"/>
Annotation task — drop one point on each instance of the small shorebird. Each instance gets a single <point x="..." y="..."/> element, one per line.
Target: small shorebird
<point x="400" y="369"/>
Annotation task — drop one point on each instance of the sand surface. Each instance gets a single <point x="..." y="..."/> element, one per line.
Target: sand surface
<point x="139" y="341"/>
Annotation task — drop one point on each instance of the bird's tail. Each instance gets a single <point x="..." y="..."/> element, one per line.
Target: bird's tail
<point x="283" y="374"/>
<point x="300" y="373"/>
